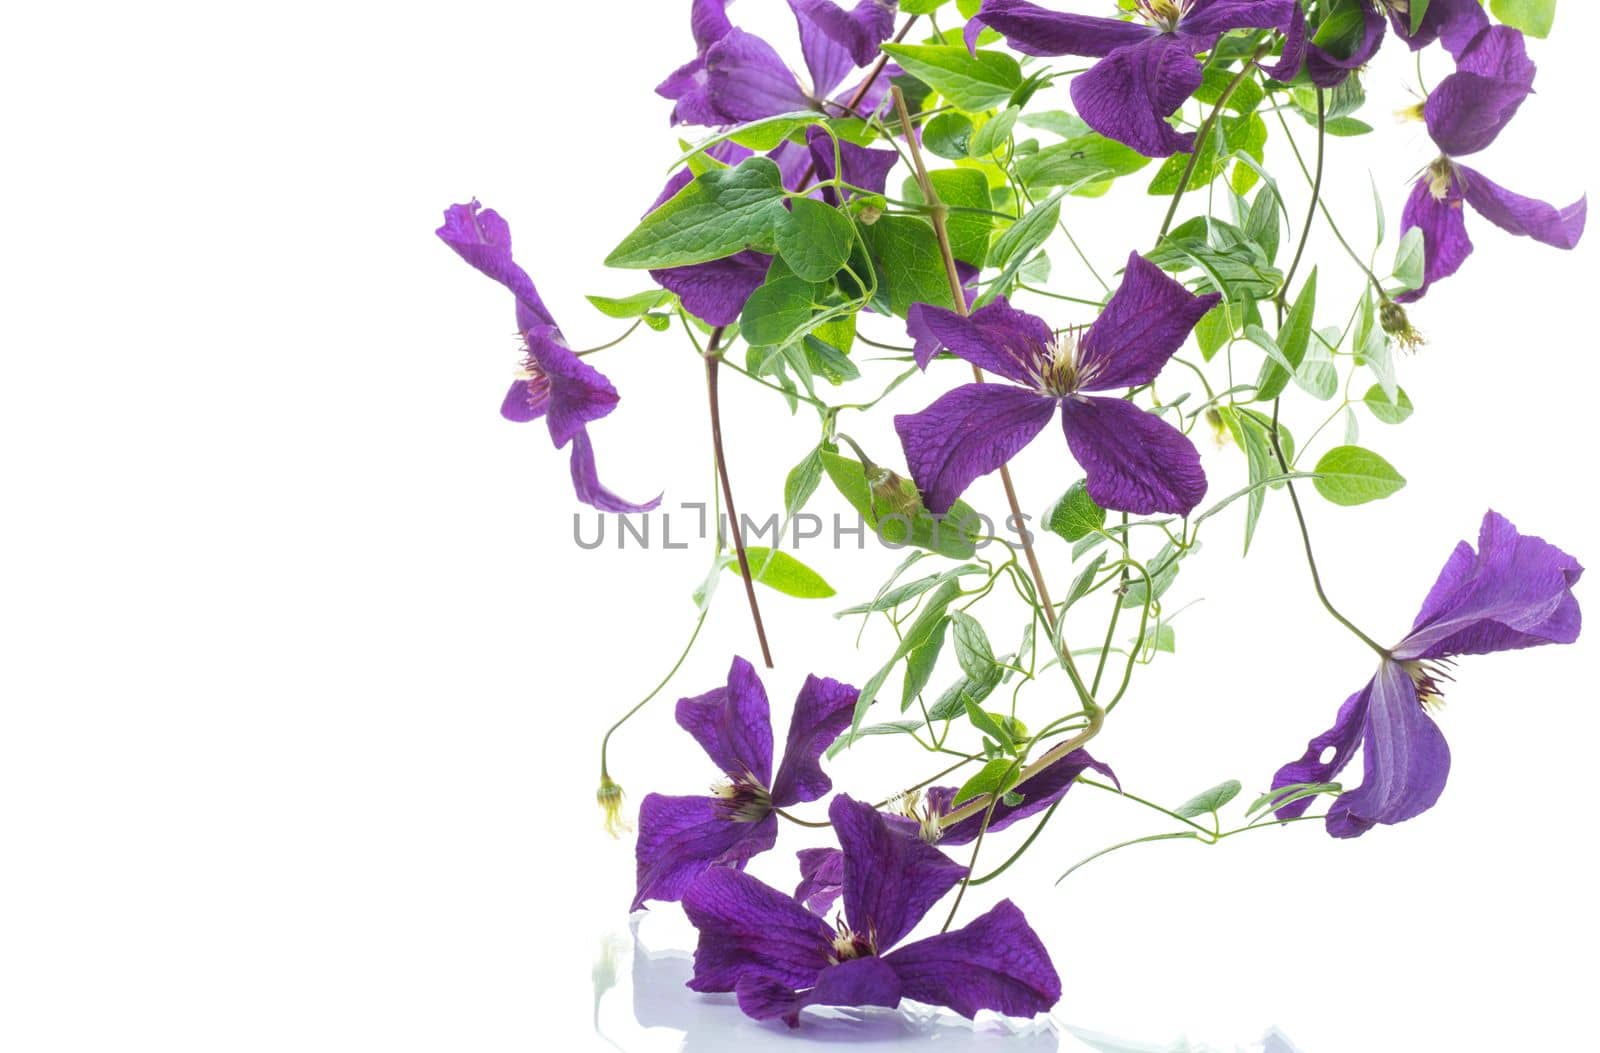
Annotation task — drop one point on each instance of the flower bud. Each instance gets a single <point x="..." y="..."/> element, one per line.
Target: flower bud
<point x="1219" y="427"/>
<point x="1394" y="321"/>
<point x="609" y="797"/>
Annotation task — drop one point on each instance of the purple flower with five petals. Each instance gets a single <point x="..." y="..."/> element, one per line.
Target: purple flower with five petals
<point x="1135" y="462"/>
<point x="1453" y="22"/>
<point x="554" y="383"/>
<point x="680" y="837"/>
<point x="1515" y="591"/>
<point x="1147" y="68"/>
<point x="778" y="957"/>
<point x="920" y="816"/>
<point x="1464" y="114"/>
<point x="738" y="77"/>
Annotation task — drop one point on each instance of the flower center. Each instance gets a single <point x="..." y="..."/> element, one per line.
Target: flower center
<point x="920" y="810"/>
<point x="537" y="379"/>
<point x="1063" y="372"/>
<point x="1426" y="675"/>
<point x="1441" y="177"/>
<point x="847" y="945"/>
<point x="1164" y="14"/>
<point x="743" y="799"/>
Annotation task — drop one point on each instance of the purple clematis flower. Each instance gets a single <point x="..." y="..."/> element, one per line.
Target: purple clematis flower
<point x="1515" y="591"/>
<point x="1453" y="22"/>
<point x="679" y="837"/>
<point x="1135" y="462"/>
<point x="778" y="957"/>
<point x="737" y="77"/>
<point x="1464" y="114"/>
<point x="554" y="384"/>
<point x="920" y="815"/>
<point x="716" y="291"/>
<point x="1147" y="68"/>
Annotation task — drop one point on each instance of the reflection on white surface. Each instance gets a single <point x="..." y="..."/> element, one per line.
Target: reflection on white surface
<point x="667" y="1016"/>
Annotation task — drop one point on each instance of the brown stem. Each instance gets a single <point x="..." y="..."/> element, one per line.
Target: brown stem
<point x="713" y="358"/>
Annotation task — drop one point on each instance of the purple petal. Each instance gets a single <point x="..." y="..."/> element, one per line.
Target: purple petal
<point x="482" y="238"/>
<point x="827" y="60"/>
<point x="525" y="401"/>
<point x="1209" y="19"/>
<point x="1444" y="230"/>
<point x="1467" y="111"/>
<point x="689" y="89"/>
<point x="890" y="880"/>
<point x="1342" y="738"/>
<point x="708" y="21"/>
<point x="856" y="982"/>
<point x="1135" y="461"/>
<point x="1128" y="95"/>
<point x="1524" y="216"/>
<point x="966" y="433"/>
<point x="1294" y="47"/>
<point x="1038" y="793"/>
<point x="748" y="929"/>
<point x="996" y="961"/>
<point x="681" y="838"/>
<point x="859" y="31"/>
<point x="1327" y="70"/>
<point x="586" y="481"/>
<point x="746" y="80"/>
<point x="821" y="713"/>
<point x="727" y="151"/>
<point x="733" y="724"/>
<point x="716" y="292"/>
<point x="1405" y="758"/>
<point x="1499" y="52"/>
<point x="578" y="393"/>
<point x="821" y="878"/>
<point x="1454" y="22"/>
<point x="1514" y="592"/>
<point x="863" y="167"/>
<point x="1143" y="325"/>
<point x="1006" y="342"/>
<point x="1033" y="30"/>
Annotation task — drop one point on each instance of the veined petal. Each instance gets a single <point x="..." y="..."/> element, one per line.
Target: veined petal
<point x="890" y="880"/>
<point x="1404" y="755"/>
<point x="1514" y="592"/>
<point x="1317" y="765"/>
<point x="716" y="292"/>
<point x="821" y="713"/>
<point x="827" y="60"/>
<point x="967" y="433"/>
<point x="859" y="30"/>
<point x="1129" y="94"/>
<point x="856" y="982"/>
<point x="687" y="88"/>
<point x="579" y="393"/>
<point x="733" y="724"/>
<point x="1293" y="56"/>
<point x="586" y="481"/>
<point x="1328" y="69"/>
<point x="1467" y="111"/>
<point x="681" y="838"/>
<point x="1499" y="52"/>
<point x="996" y="962"/>
<point x="525" y="402"/>
<point x="1033" y="30"/>
<point x="1038" y="793"/>
<point x="1452" y="22"/>
<point x="482" y="238"/>
<point x="746" y="80"/>
<point x="1525" y="216"/>
<point x="708" y="21"/>
<point x="1209" y="19"/>
<point x="1445" y="243"/>
<point x="999" y="338"/>
<point x="1143" y="325"/>
<point x="1135" y="461"/>
<point x="863" y="167"/>
<point x="821" y="878"/>
<point x="748" y="929"/>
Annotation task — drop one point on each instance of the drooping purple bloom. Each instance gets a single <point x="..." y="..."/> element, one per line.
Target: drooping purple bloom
<point x="1134" y="461"/>
<point x="554" y="383"/>
<point x="1464" y="114"/>
<point x="680" y="837"/>
<point x="737" y="77"/>
<point x="919" y="816"/>
<point x="778" y="957"/>
<point x="716" y="291"/>
<point x="1515" y="591"/>
<point x="1147" y="68"/>
<point x="1453" y="22"/>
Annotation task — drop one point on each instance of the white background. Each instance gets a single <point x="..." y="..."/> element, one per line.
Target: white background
<point x="304" y="676"/>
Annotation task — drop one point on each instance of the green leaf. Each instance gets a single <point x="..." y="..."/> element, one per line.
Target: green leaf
<point x="947" y="135"/>
<point x="921" y="7"/>
<point x="1419" y="11"/>
<point x="802" y="483"/>
<point x="1246" y="134"/>
<point x="993" y="135"/>
<point x="782" y="572"/>
<point x="1410" y="259"/>
<point x="920" y="664"/>
<point x="1209" y="801"/>
<point x="1387" y="410"/>
<point x="971" y="82"/>
<point x="1533" y="17"/>
<point x="909" y="261"/>
<point x="1286" y="795"/>
<point x="1085" y="158"/>
<point x="969" y="231"/>
<point x="1012" y="249"/>
<point x="988" y="725"/>
<point x="776" y="311"/>
<point x="1163" y="571"/>
<point x="928" y="621"/>
<point x="972" y="646"/>
<point x="722" y="212"/>
<point x="951" y="535"/>
<point x="997" y="776"/>
<point x="815" y="239"/>
<point x="1293" y="339"/>
<point x="1350" y="475"/>
<point x="636" y="306"/>
<point x="1057" y="122"/>
<point x="1075" y="515"/>
<point x="1085" y="580"/>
